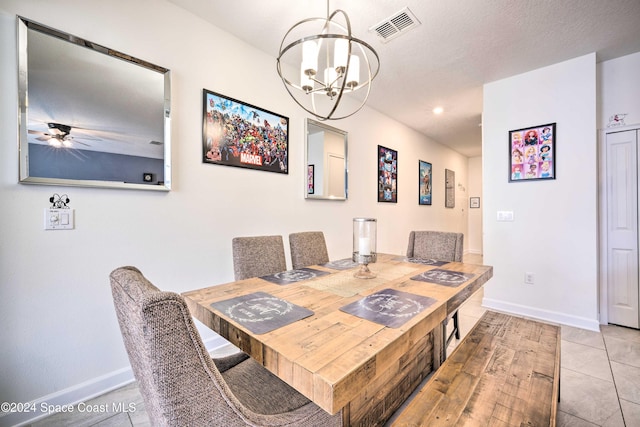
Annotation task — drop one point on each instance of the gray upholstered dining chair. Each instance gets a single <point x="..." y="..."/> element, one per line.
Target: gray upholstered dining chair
<point x="308" y="248"/>
<point x="440" y="246"/>
<point x="257" y="256"/>
<point x="180" y="384"/>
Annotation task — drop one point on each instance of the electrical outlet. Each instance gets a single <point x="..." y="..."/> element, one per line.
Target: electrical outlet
<point x="528" y="278"/>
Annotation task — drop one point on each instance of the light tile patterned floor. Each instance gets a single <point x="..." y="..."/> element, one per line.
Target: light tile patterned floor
<point x="600" y="378"/>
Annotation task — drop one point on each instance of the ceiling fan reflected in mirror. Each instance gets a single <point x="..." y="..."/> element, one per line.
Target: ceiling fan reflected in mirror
<point x="59" y="135"/>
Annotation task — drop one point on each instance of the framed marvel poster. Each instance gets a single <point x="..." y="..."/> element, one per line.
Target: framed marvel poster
<point x="235" y="133"/>
<point x="387" y="175"/>
<point x="532" y="153"/>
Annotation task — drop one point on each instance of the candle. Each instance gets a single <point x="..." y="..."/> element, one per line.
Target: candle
<point x="364" y="246"/>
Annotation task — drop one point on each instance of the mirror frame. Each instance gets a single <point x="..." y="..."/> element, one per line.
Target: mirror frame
<point x="343" y="134"/>
<point x="25" y="25"/>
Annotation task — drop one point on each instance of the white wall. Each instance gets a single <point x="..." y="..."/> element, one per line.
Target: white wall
<point x="474" y="236"/>
<point x="619" y="89"/>
<point x="59" y="335"/>
<point x="554" y="234"/>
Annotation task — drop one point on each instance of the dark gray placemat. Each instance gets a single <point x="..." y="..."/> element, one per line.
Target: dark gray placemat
<point x="341" y="264"/>
<point x="424" y="261"/>
<point x="389" y="307"/>
<point x="261" y="312"/>
<point x="443" y="277"/>
<point x="293" y="276"/>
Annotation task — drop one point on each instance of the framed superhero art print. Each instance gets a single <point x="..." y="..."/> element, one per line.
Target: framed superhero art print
<point x="532" y="153"/>
<point x="235" y="133"/>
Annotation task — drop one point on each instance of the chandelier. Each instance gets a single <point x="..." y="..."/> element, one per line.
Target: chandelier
<point x="320" y="61"/>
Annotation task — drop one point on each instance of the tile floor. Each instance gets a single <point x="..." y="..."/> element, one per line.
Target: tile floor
<point x="600" y="379"/>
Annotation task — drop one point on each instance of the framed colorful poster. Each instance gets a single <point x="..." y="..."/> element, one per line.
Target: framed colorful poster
<point x="387" y="175"/>
<point x="532" y="153"/>
<point x="424" y="183"/>
<point x="311" y="184"/>
<point x="238" y="134"/>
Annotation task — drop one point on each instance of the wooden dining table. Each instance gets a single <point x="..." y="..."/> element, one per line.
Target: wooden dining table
<point x="359" y="346"/>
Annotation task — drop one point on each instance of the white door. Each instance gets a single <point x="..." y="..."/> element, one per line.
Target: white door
<point x="622" y="223"/>
<point x="335" y="174"/>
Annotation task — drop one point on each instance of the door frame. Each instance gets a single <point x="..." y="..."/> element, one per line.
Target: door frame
<point x="603" y="303"/>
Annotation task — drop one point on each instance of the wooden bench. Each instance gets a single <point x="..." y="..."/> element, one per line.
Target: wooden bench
<point x="505" y="372"/>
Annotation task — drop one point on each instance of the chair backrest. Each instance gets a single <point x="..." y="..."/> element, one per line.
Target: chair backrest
<point x="438" y="245"/>
<point x="308" y="248"/>
<point x="180" y="383"/>
<point x="177" y="378"/>
<point x="258" y="256"/>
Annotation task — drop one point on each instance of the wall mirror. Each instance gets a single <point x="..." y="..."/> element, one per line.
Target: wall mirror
<point x="90" y="116"/>
<point x="326" y="162"/>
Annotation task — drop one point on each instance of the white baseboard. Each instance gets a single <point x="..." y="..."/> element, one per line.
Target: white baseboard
<point x="545" y="315"/>
<point x="82" y="392"/>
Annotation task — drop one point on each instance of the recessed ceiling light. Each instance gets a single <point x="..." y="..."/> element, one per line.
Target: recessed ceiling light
<point x="438" y="110"/>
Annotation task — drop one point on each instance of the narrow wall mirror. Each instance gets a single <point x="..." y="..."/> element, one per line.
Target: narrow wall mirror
<point x="326" y="162"/>
<point x="90" y="116"/>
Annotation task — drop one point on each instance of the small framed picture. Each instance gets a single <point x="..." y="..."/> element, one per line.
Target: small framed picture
<point x="387" y="175"/>
<point x="310" y="179"/>
<point x="474" y="202"/>
<point x="424" y="183"/>
<point x="449" y="188"/>
<point x="532" y="153"/>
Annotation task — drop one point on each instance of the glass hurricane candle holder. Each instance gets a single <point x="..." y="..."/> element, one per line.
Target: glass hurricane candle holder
<point x="364" y="246"/>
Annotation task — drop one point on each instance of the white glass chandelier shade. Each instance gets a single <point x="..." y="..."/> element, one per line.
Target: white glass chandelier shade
<point x="310" y="58"/>
<point x="353" y="76"/>
<point x="340" y="54"/>
<point x="320" y="61"/>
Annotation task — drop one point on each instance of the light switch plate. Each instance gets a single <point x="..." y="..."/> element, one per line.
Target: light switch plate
<point x="59" y="219"/>
<point x="505" y="216"/>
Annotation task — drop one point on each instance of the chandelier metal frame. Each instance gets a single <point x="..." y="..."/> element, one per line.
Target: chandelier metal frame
<point x="336" y="83"/>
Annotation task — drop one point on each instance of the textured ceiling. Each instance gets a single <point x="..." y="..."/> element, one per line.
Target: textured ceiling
<point x="458" y="47"/>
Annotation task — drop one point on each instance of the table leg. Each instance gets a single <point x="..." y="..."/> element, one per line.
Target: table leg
<point x="439" y="345"/>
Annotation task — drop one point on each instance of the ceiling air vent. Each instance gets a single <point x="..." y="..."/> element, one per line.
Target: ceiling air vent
<point x="395" y="25"/>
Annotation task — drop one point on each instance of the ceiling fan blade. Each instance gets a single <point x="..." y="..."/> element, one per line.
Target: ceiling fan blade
<point x="87" y="137"/>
